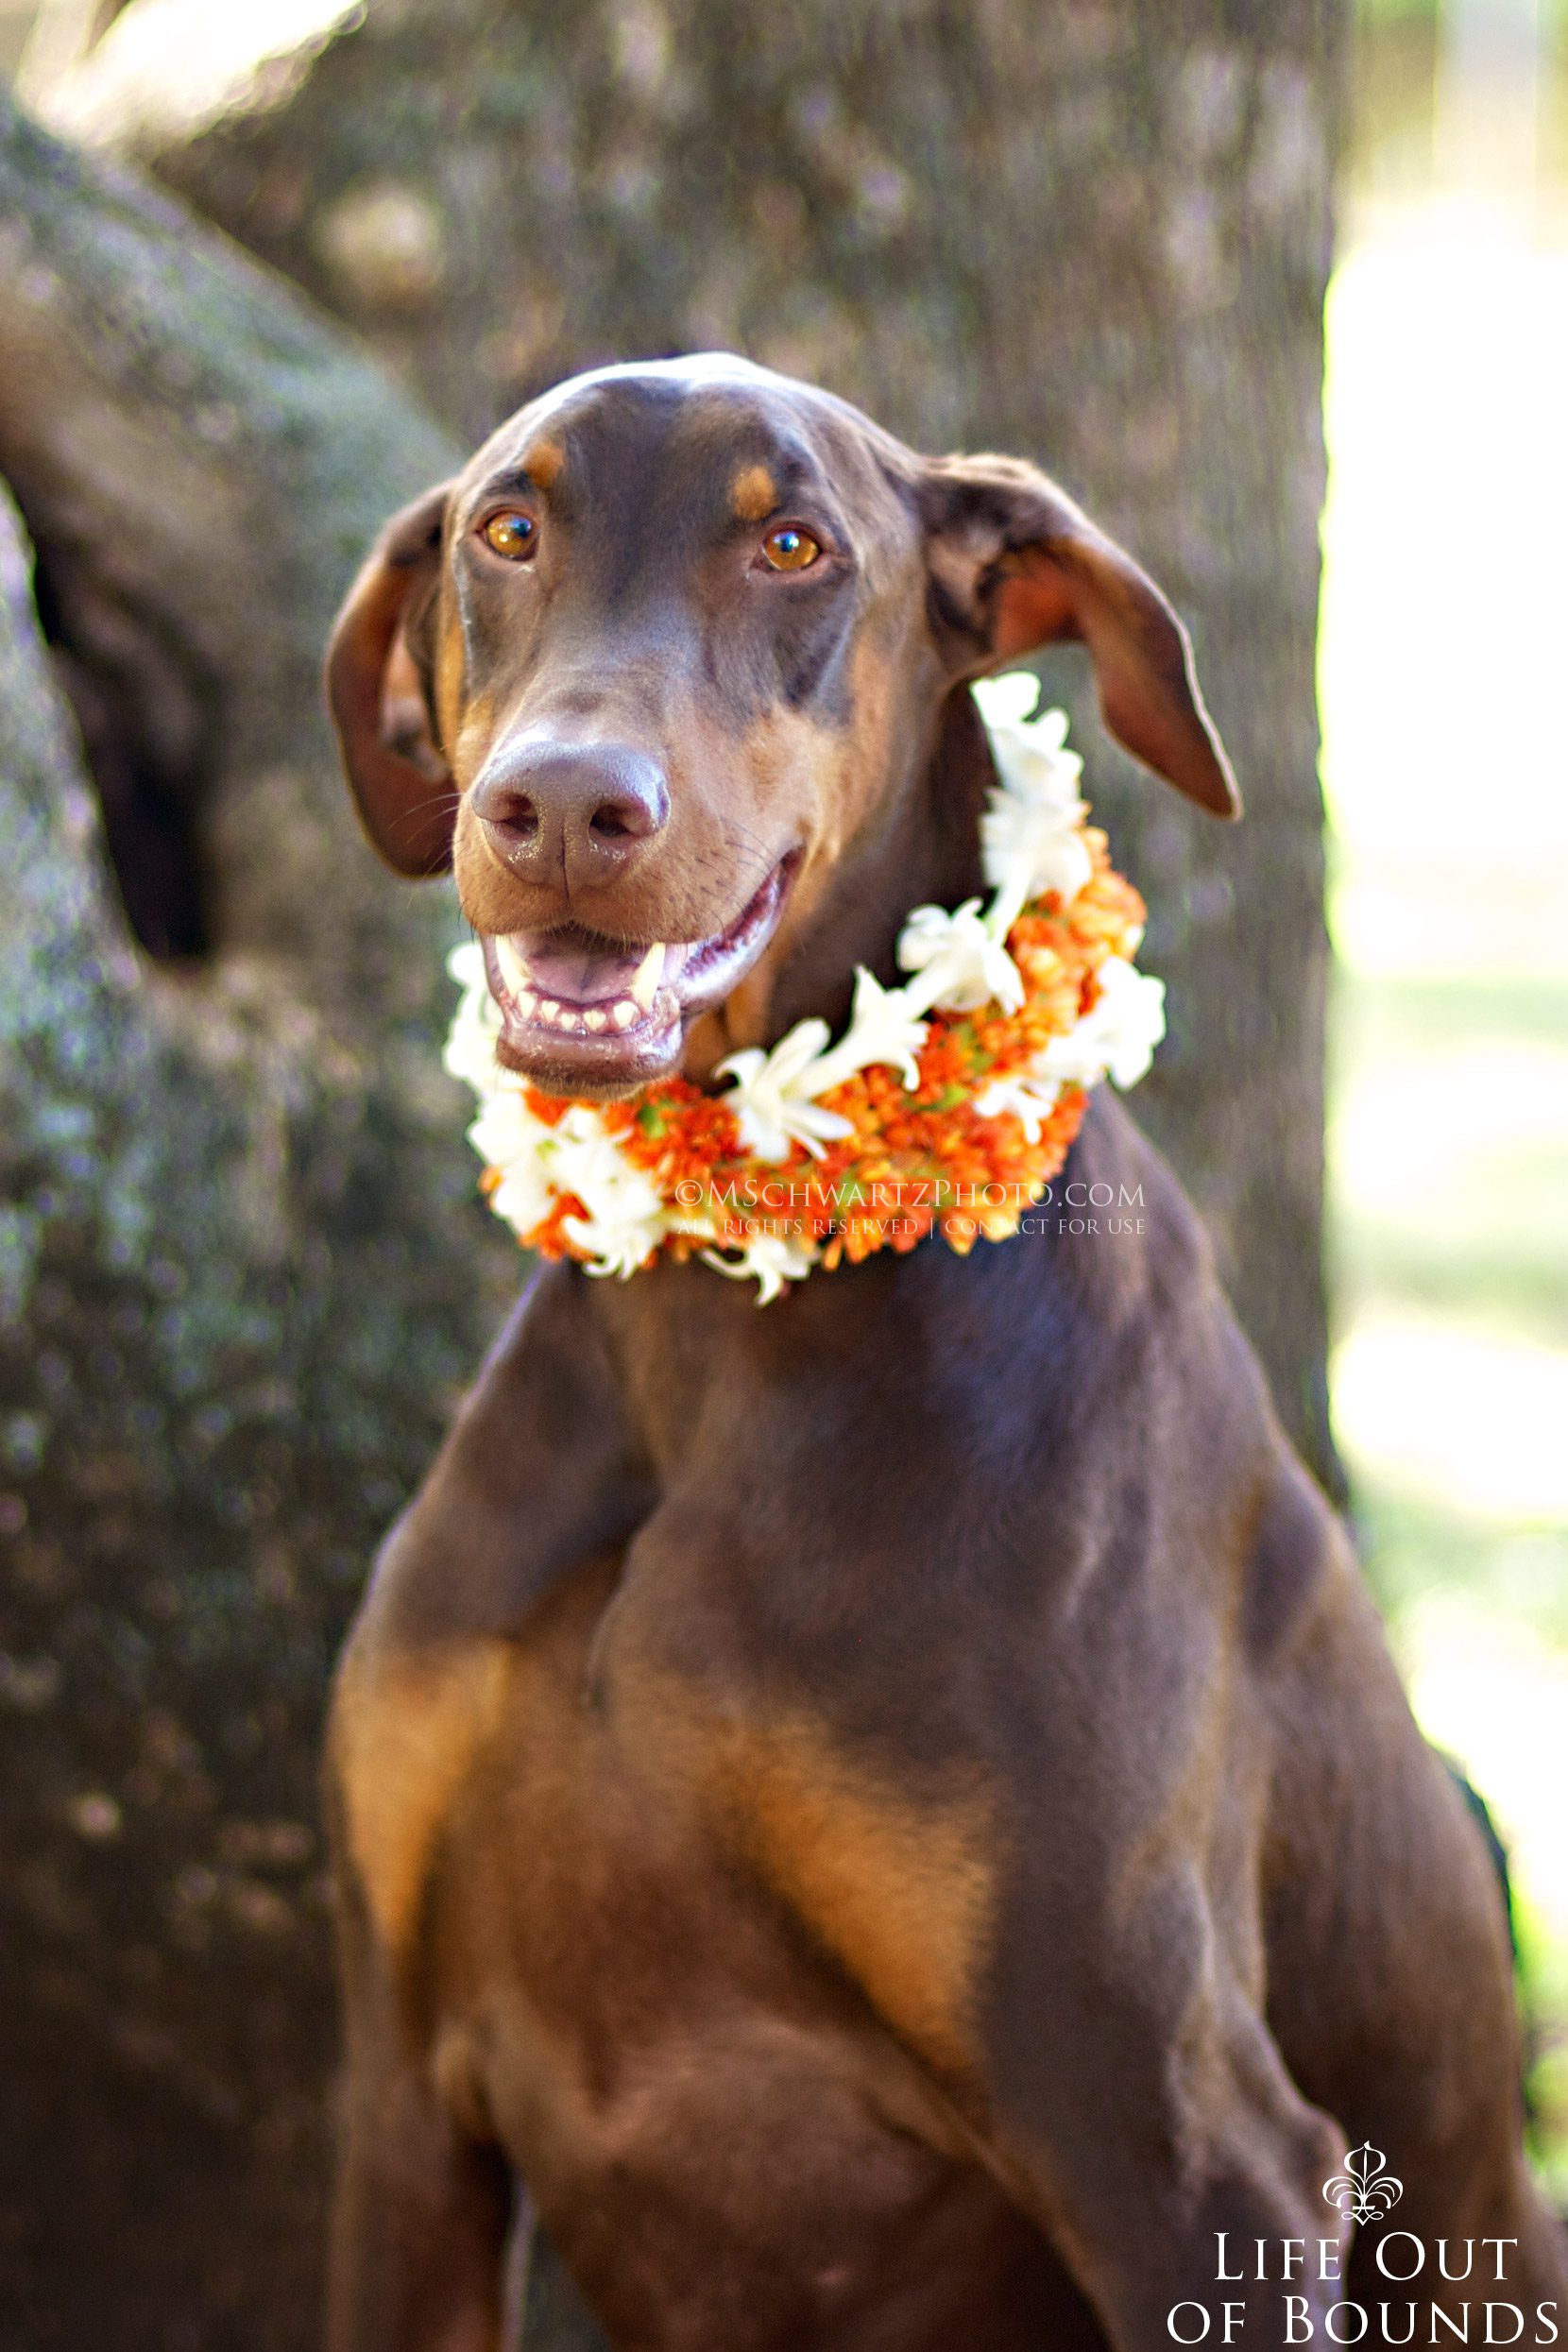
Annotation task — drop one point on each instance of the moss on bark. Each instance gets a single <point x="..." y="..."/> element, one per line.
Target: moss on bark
<point x="241" y="1273"/>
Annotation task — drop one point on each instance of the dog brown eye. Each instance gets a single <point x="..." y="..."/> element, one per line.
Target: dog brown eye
<point x="511" y="534"/>
<point x="790" y="550"/>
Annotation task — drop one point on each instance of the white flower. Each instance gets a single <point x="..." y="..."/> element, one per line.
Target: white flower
<point x="1031" y="757"/>
<point x="1030" y="832"/>
<point x="1007" y="700"/>
<point x="961" y="964"/>
<point x="617" y="1242"/>
<point x="471" y="1047"/>
<point x="510" y="1139"/>
<point x="772" y="1095"/>
<point x="587" y="1160"/>
<point x="523" y="1198"/>
<point x="505" y="1130"/>
<point x="1029" y="847"/>
<point x="1117" y="1037"/>
<point x="772" y="1259"/>
<point x="881" y="1028"/>
<point x="1028" y="1096"/>
<point x="1035" y="765"/>
<point x="626" y="1219"/>
<point x="466" y="964"/>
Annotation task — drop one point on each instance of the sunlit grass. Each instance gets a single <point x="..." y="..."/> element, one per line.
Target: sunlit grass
<point x="1449" y="1143"/>
<point x="1446" y="769"/>
<point x="1489" y="1687"/>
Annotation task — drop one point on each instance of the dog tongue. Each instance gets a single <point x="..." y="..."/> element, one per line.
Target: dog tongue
<point x="581" y="975"/>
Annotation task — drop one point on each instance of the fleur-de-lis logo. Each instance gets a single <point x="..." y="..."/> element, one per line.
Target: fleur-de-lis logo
<point x="1363" y="2188"/>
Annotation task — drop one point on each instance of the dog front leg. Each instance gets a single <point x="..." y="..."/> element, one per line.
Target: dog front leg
<point x="421" y="2218"/>
<point x="1154" y="2131"/>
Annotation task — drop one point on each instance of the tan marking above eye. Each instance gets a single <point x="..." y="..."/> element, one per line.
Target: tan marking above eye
<point x="543" y="463"/>
<point x="791" y="549"/>
<point x="753" y="494"/>
<point x="512" y="534"/>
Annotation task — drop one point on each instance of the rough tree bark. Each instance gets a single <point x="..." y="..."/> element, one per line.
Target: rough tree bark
<point x="1094" y="230"/>
<point x="239" y="1273"/>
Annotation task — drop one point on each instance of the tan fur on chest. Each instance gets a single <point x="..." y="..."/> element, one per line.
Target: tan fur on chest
<point x="407" y="1730"/>
<point x="897" y="1885"/>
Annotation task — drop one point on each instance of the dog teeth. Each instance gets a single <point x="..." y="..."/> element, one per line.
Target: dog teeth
<point x="645" y="979"/>
<point x="580" y="1019"/>
<point x="513" y="969"/>
<point x="530" y="1003"/>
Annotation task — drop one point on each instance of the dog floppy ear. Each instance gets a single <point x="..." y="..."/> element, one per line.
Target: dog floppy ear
<point x="1015" y="565"/>
<point x="378" y="692"/>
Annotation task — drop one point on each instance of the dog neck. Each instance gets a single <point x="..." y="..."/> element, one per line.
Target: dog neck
<point x="921" y="847"/>
<point x="692" y="1359"/>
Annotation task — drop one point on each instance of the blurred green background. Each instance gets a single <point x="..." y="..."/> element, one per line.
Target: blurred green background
<point x="1442" y="660"/>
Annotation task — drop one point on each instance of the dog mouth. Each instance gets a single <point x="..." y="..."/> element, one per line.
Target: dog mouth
<point x="583" y="1013"/>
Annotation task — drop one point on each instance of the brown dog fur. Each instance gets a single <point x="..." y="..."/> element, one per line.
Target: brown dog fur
<point x="892" y="1814"/>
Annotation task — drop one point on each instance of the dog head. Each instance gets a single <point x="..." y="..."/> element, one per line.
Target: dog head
<point x="662" y="675"/>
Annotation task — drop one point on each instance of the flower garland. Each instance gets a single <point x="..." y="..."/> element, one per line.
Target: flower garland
<point x="947" y="1104"/>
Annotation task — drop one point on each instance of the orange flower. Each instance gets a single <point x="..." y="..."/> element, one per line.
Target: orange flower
<point x="918" y="1159"/>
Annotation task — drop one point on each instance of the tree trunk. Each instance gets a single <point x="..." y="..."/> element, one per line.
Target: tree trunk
<point x="1094" y="232"/>
<point x="239" y="1273"/>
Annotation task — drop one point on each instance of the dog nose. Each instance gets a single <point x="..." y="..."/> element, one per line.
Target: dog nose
<point x="577" y="812"/>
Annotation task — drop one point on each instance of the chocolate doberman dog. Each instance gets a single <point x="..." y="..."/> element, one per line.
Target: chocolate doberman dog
<point x="890" y="1815"/>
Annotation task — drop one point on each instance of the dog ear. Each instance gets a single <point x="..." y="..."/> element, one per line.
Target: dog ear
<point x="1015" y="565"/>
<point x="378" y="692"/>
